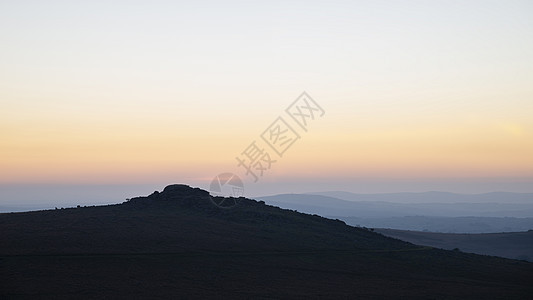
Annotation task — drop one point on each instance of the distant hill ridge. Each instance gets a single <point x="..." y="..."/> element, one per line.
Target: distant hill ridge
<point x="432" y="197"/>
<point x="396" y="205"/>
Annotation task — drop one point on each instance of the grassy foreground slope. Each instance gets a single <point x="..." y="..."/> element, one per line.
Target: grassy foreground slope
<point x="178" y="244"/>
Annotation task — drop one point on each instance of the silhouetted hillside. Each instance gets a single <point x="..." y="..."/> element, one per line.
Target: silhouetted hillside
<point x="176" y="243"/>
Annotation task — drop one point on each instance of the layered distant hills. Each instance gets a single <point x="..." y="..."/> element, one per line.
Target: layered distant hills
<point x="432" y="211"/>
<point x="178" y="244"/>
<point x="433" y="197"/>
<point x="396" y="205"/>
<point x="517" y="245"/>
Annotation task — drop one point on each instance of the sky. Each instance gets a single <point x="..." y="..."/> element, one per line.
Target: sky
<point x="416" y="95"/>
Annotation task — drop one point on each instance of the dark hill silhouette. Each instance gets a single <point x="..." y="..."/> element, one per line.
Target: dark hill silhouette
<point x="177" y="243"/>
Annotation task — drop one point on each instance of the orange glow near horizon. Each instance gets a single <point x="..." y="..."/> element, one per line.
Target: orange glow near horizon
<point x="485" y="150"/>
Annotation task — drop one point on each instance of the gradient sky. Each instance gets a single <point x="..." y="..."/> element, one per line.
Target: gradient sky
<point x="418" y="95"/>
